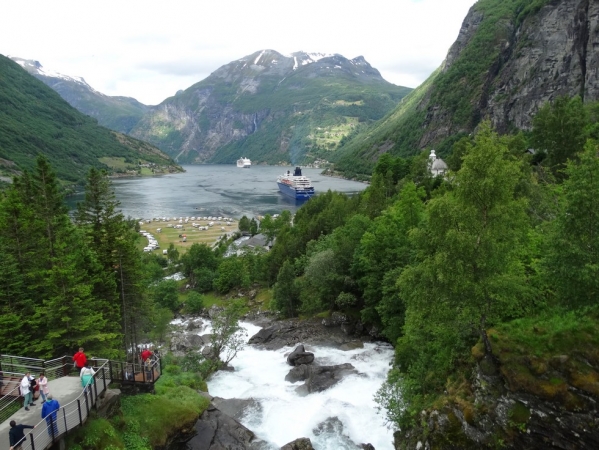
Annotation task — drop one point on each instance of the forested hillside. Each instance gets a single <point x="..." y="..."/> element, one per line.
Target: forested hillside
<point x="35" y="120"/>
<point x="510" y="58"/>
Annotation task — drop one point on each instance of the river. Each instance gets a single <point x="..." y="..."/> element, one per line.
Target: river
<point x="215" y="190"/>
<point x="339" y="418"/>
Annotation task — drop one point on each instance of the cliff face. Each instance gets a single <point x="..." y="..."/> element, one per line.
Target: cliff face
<point x="552" y="53"/>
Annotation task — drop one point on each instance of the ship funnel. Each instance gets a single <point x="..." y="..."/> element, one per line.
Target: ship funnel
<point x="297" y="172"/>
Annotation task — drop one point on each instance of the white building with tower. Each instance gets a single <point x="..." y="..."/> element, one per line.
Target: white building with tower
<point x="436" y="166"/>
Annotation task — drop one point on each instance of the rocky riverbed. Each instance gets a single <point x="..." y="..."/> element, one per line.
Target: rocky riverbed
<point x="271" y="399"/>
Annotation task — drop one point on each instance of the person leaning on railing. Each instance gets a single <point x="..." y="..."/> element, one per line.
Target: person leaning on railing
<point x="16" y="434"/>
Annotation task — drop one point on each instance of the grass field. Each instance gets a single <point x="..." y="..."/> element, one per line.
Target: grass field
<point x="184" y="237"/>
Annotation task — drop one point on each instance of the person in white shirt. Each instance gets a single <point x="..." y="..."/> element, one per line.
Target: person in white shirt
<point x="26" y="391"/>
<point x="87" y="376"/>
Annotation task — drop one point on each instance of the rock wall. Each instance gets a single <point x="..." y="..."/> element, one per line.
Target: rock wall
<point x="552" y="53"/>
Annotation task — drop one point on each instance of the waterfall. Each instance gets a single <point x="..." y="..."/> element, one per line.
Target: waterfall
<point x="341" y="417"/>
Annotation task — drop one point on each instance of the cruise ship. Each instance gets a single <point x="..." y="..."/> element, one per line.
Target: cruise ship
<point x="244" y="163"/>
<point x="295" y="186"/>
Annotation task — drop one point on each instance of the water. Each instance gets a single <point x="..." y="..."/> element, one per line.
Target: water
<point x="283" y="416"/>
<point x="215" y="190"/>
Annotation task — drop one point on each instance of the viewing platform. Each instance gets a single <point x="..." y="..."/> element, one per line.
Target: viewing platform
<point x="65" y="386"/>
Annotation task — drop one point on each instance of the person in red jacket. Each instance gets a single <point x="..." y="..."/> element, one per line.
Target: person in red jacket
<point x="80" y="359"/>
<point x="146" y="354"/>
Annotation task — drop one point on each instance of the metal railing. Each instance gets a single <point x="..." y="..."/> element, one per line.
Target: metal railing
<point x="13" y="368"/>
<point x="128" y="372"/>
<point x="54" y="368"/>
<point x="71" y="415"/>
<point x="11" y="391"/>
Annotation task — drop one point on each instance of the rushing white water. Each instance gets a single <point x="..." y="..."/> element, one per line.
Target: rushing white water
<point x="283" y="416"/>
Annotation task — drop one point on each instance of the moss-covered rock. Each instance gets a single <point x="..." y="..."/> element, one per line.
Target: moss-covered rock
<point x="539" y="390"/>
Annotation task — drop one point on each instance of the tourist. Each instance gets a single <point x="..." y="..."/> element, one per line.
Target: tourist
<point x="42" y="382"/>
<point x="145" y="354"/>
<point x="16" y="435"/>
<point x="87" y="376"/>
<point x="148" y="369"/>
<point x="80" y="359"/>
<point x="26" y="391"/>
<point x="50" y="413"/>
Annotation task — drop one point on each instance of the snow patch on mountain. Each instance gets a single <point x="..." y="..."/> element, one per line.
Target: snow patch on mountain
<point x="34" y="67"/>
<point x="259" y="56"/>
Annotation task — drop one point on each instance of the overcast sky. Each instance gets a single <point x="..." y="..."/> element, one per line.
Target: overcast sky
<point x="151" y="49"/>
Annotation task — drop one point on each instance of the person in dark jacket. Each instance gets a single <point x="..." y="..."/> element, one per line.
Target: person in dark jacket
<point x="16" y="434"/>
<point x="49" y="412"/>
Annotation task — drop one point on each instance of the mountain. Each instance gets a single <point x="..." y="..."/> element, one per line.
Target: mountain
<point x="510" y="57"/>
<point x="35" y="120"/>
<point x="117" y="113"/>
<point x="270" y="108"/>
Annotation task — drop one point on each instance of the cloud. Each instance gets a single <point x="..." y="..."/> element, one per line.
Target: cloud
<point x="151" y="49"/>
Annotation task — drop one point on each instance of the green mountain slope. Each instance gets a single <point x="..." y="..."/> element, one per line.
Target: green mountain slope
<point x="511" y="57"/>
<point x="117" y="113"/>
<point x="271" y="108"/>
<point x="35" y="120"/>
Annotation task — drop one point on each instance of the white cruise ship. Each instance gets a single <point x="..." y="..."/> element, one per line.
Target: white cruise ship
<point x="244" y="163"/>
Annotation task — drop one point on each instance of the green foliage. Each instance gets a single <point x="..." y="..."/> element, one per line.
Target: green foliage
<point x="560" y="131"/>
<point x="346" y="300"/>
<point x="286" y="293"/>
<point x="384" y="249"/>
<point x="166" y="294"/>
<point x="155" y="417"/>
<point x="232" y="273"/>
<point x="49" y="273"/>
<point x="160" y="324"/>
<point x="97" y="434"/>
<point x="244" y="224"/>
<point x="468" y="265"/>
<point x="194" y="303"/>
<point x="199" y="264"/>
<point x="227" y="336"/>
<point x="573" y="250"/>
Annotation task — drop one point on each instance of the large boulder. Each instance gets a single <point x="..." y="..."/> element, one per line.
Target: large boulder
<point x="195" y="324"/>
<point x="217" y="431"/>
<point x="298" y="444"/>
<point x="337" y="330"/>
<point x="331" y="429"/>
<point x="182" y="342"/>
<point x="318" y="378"/>
<point x="300" y="356"/>
<point x="262" y="336"/>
